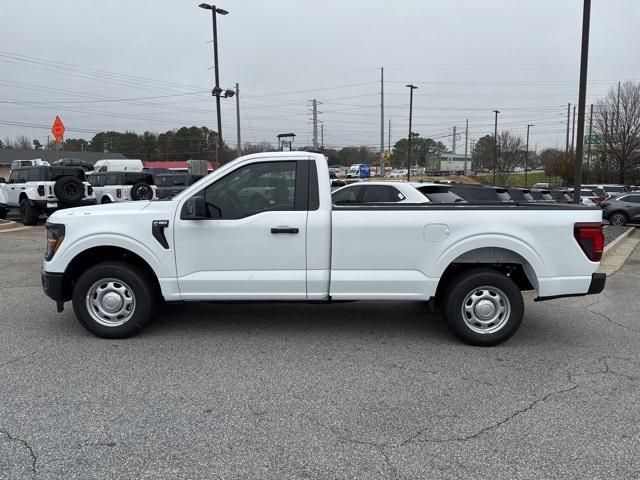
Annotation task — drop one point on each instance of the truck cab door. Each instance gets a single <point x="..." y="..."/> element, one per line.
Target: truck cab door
<point x="248" y="239"/>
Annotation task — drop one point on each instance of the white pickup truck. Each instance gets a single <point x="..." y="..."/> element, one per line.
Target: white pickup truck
<point x="118" y="262"/>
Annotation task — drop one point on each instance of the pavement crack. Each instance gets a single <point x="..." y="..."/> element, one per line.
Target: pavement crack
<point x="377" y="446"/>
<point x="531" y="405"/>
<point x="613" y="322"/>
<point x="26" y="445"/>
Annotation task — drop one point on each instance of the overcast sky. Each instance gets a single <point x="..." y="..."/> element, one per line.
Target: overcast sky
<point x="86" y="61"/>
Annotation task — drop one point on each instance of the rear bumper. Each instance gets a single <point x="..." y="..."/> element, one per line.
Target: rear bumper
<point x="598" y="282"/>
<point x="44" y="205"/>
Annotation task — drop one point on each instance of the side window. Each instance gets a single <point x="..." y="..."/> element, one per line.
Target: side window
<point x="632" y="198"/>
<point x="34" y="175"/>
<point x="23" y="174"/>
<point x="381" y="193"/>
<point x="346" y="195"/>
<point x="13" y="178"/>
<point x="113" y="179"/>
<point x="252" y="189"/>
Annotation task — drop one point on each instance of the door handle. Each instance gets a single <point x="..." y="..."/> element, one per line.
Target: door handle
<point x="277" y="230"/>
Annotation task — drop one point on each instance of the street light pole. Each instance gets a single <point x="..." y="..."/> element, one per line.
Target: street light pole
<point x="526" y="160"/>
<point x="495" y="147"/>
<point x="411" y="89"/>
<point x="216" y="90"/>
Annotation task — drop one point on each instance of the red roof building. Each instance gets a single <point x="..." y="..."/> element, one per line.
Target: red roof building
<point x="177" y="165"/>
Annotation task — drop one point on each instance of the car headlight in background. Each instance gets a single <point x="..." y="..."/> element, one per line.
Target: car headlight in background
<point x="55" y="236"/>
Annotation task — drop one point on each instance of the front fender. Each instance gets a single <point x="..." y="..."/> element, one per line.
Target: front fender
<point x="72" y="250"/>
<point x="489" y="241"/>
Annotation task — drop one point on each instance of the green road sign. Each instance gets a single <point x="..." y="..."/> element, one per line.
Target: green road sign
<point x="592" y="140"/>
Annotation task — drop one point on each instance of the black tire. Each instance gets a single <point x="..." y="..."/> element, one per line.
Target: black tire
<point x="105" y="200"/>
<point x="3" y="213"/>
<point x="106" y="277"/>
<point x="141" y="191"/>
<point x="69" y="190"/>
<point x="483" y="291"/>
<point x="618" y="219"/>
<point x="28" y="213"/>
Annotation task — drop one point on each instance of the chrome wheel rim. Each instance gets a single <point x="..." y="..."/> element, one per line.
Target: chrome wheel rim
<point x="110" y="302"/>
<point x="486" y="310"/>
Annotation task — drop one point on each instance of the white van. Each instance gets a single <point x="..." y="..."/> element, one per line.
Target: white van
<point x="118" y="165"/>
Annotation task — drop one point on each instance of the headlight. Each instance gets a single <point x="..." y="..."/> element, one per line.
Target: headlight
<point x="55" y="236"/>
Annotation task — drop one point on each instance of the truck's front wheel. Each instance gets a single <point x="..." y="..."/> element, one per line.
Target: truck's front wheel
<point x="483" y="307"/>
<point x="113" y="300"/>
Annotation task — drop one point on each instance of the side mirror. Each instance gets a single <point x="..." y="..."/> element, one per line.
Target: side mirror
<point x="194" y="209"/>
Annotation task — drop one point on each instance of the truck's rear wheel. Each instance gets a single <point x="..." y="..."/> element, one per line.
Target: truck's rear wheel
<point x="113" y="300"/>
<point x="28" y="213"/>
<point x="483" y="307"/>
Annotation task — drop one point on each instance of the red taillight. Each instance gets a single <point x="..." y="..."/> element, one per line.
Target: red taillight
<point x="41" y="190"/>
<point x="604" y="204"/>
<point x="594" y="199"/>
<point x="119" y="192"/>
<point x="591" y="239"/>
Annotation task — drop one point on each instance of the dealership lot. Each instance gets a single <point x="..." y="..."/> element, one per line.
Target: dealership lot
<point x="356" y="390"/>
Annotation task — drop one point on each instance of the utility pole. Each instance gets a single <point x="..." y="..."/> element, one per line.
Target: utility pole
<point x="495" y="147"/>
<point x="322" y="135"/>
<point x="453" y="142"/>
<point x="568" y="119"/>
<point x="573" y="129"/>
<point x="526" y="160"/>
<point x="466" y="143"/>
<point x="315" y="123"/>
<point x="618" y="111"/>
<point x="238" y="119"/>
<point x="411" y="89"/>
<point x="381" y="172"/>
<point x="590" y="133"/>
<point x="582" y="98"/>
<point x="389" y="142"/>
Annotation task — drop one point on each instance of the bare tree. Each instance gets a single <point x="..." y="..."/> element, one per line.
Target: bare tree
<point x="511" y="154"/>
<point x="23" y="142"/>
<point x="619" y="126"/>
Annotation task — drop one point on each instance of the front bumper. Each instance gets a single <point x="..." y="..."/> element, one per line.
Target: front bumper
<point x="53" y="287"/>
<point x="598" y="282"/>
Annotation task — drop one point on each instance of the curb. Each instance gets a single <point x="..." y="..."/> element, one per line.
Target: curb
<point x="617" y="240"/>
<point x="7" y="225"/>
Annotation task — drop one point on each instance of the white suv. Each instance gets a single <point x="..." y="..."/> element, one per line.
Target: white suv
<point x="43" y="189"/>
<point x="112" y="187"/>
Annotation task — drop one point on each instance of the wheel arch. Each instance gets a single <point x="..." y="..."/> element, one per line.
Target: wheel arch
<point x="514" y="259"/>
<point x="99" y="254"/>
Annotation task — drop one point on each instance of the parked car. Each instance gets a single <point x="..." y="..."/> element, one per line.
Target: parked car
<point x="560" y="196"/>
<point x="170" y="184"/>
<point x="544" y="185"/>
<point x="41" y="189"/>
<point x="203" y="245"/>
<point x="119" y="165"/>
<point x="123" y="186"/>
<point x="475" y="193"/>
<point x="438" y="193"/>
<point x="377" y="192"/>
<point x="588" y="196"/>
<point x="622" y="210"/>
<point x="541" y="195"/>
<point x="74" y="162"/>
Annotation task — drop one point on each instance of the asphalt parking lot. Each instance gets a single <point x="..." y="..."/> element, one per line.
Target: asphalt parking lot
<point x="274" y="391"/>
